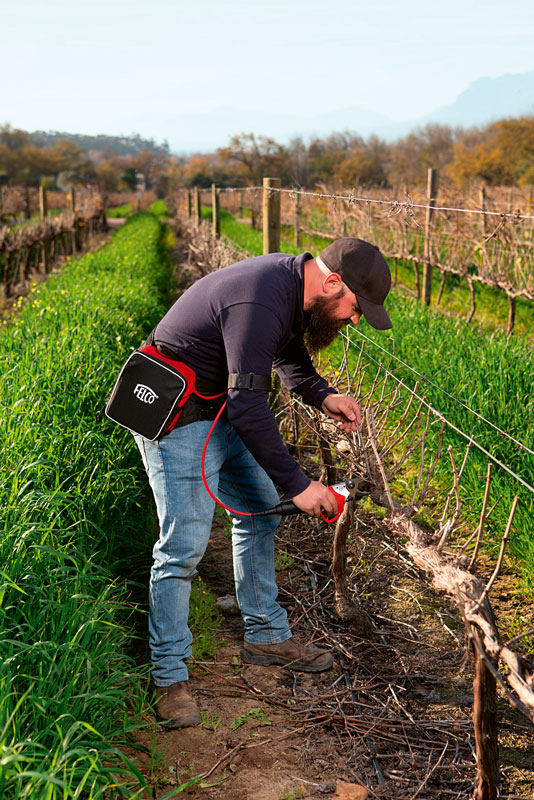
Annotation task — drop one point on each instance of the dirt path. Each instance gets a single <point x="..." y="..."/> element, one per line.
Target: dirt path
<point x="247" y="717"/>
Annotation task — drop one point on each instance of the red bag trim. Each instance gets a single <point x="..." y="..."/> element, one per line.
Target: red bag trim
<point x="188" y="373"/>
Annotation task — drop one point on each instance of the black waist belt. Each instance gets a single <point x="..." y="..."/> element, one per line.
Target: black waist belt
<point x="245" y="380"/>
<point x="196" y="409"/>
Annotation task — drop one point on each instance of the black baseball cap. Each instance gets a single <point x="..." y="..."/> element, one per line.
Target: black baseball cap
<point x="365" y="271"/>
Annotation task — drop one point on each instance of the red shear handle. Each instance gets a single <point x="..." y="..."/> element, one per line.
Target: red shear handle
<point x="340" y="500"/>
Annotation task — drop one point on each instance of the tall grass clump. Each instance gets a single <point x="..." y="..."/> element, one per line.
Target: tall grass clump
<point x="74" y="511"/>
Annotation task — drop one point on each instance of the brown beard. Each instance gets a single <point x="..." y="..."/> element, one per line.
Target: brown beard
<point x="321" y="327"/>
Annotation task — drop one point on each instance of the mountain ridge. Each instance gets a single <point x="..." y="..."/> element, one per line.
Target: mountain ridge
<point x="484" y="100"/>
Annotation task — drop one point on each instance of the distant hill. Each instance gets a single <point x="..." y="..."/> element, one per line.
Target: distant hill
<point x="489" y="99"/>
<point x="483" y="101"/>
<point x="190" y="132"/>
<point x="120" y="145"/>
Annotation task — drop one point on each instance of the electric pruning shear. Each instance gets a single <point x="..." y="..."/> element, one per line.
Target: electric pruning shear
<point x="350" y="489"/>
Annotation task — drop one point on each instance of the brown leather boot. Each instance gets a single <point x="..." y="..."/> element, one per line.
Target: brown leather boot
<point x="175" y="706"/>
<point x="289" y="654"/>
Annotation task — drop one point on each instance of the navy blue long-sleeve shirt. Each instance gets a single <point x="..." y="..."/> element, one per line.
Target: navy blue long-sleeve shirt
<point x="248" y="317"/>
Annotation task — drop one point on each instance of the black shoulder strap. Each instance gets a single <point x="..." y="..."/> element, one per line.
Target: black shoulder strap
<point x="248" y="380"/>
<point x="149" y="341"/>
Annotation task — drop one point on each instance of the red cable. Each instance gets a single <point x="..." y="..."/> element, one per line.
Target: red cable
<point x="209" y="396"/>
<point x="232" y="510"/>
<point x="203" y="470"/>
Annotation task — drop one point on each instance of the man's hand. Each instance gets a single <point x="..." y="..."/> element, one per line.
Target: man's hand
<point x="316" y="498"/>
<point x="344" y="409"/>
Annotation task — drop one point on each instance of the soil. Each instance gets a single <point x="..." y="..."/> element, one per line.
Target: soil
<point x="393" y="715"/>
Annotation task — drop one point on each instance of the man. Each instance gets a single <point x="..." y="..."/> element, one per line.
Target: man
<point x="233" y="327"/>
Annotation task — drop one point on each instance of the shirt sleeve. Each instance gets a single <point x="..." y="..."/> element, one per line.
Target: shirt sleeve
<point x="250" y="333"/>
<point x="295" y="368"/>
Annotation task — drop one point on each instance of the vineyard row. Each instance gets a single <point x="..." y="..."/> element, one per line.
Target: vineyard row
<point x="494" y="251"/>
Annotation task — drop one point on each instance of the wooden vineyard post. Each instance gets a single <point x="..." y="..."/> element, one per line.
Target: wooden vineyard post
<point x="188" y="203"/>
<point x="271" y="215"/>
<point x="484" y="724"/>
<point x="91" y="206"/>
<point x="43" y="210"/>
<point x="297" y="220"/>
<point x="43" y="207"/>
<point x="73" y="209"/>
<point x="216" y="229"/>
<point x="27" y="204"/>
<point x="197" y="210"/>
<point x="483" y="209"/>
<point x="485" y="248"/>
<point x="511" y="314"/>
<point x="4" y="278"/>
<point x="431" y="200"/>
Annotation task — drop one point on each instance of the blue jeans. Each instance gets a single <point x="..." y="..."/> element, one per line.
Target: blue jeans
<point x="185" y="512"/>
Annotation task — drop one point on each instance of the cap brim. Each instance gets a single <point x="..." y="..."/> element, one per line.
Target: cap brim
<point x="376" y="315"/>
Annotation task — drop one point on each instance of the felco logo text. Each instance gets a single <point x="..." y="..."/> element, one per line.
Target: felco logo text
<point x="145" y="394"/>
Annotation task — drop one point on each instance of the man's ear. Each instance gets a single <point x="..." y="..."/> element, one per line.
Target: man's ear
<point x="332" y="283"/>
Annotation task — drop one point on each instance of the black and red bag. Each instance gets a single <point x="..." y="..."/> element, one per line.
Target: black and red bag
<point x="150" y="393"/>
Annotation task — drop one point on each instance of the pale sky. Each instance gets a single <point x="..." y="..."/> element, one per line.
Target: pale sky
<point x="119" y="66"/>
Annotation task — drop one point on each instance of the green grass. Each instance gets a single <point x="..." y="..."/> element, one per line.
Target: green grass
<point x="225" y="520"/>
<point x="160" y="208"/>
<point x="253" y="714"/>
<point x="76" y="517"/>
<point x="204" y="620"/>
<point x="119" y="212"/>
<point x="282" y="560"/>
<point x="211" y="721"/>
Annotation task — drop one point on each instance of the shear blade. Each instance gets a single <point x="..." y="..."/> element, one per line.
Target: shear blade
<point x="340" y="488"/>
